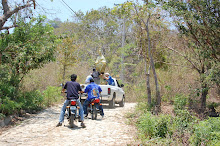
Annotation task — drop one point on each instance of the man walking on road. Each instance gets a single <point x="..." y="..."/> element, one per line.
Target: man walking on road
<point x="73" y="88"/>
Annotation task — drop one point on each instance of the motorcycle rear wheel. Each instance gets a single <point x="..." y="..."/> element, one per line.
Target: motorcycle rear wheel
<point x="71" y="121"/>
<point x="94" y="113"/>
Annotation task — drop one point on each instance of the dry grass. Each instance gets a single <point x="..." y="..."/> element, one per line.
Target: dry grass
<point x="41" y="78"/>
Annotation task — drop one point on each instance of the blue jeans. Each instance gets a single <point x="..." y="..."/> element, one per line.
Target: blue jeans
<point x="66" y="102"/>
<point x="85" y="105"/>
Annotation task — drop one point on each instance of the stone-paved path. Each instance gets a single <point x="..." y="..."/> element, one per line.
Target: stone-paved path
<point x="40" y="130"/>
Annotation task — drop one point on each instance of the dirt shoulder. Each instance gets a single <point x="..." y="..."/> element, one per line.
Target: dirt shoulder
<point x="40" y="130"/>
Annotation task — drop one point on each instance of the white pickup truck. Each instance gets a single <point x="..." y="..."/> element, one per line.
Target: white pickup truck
<point x="110" y="94"/>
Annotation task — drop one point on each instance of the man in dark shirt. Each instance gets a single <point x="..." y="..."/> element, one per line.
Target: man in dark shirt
<point x="95" y="75"/>
<point x="73" y="88"/>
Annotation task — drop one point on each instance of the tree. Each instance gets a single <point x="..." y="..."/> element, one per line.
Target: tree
<point x="67" y="53"/>
<point x="144" y="15"/>
<point x="30" y="46"/>
<point x="56" y="22"/>
<point x="9" y="12"/>
<point x="198" y="20"/>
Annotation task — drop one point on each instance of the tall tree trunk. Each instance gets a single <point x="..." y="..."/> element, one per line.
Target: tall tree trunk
<point x="204" y="87"/>
<point x="64" y="72"/>
<point x="0" y="58"/>
<point x="158" y="98"/>
<point x="147" y="73"/>
<point x="122" y="54"/>
<point x="218" y="88"/>
<point x="148" y="87"/>
<point x="203" y="96"/>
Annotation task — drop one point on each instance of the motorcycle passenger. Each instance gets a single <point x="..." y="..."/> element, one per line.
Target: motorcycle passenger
<point x="93" y="90"/>
<point x="73" y="88"/>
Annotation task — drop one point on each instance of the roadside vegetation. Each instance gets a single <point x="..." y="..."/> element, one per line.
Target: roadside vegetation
<point x="166" y="53"/>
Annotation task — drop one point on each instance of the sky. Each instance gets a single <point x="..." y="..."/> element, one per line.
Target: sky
<point x="58" y="9"/>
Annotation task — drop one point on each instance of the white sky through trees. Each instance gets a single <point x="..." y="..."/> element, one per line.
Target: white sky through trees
<point x="58" y="9"/>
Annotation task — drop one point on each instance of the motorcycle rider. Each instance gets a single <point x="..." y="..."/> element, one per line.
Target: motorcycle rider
<point x="93" y="90"/>
<point x="73" y="88"/>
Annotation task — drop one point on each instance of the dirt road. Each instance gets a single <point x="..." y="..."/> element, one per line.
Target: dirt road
<point x="40" y="129"/>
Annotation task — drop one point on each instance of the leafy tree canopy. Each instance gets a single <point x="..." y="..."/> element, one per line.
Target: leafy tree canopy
<point x="29" y="47"/>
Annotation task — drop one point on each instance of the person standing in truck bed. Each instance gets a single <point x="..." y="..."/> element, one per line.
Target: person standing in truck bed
<point x="95" y="75"/>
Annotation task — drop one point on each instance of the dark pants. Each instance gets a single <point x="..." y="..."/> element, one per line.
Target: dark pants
<point x="97" y="80"/>
<point x="85" y="106"/>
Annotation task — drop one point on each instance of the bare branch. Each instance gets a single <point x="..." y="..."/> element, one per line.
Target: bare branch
<point x="8" y="27"/>
<point x="172" y="64"/>
<point x="8" y="13"/>
<point x="194" y="66"/>
<point x="6" y="8"/>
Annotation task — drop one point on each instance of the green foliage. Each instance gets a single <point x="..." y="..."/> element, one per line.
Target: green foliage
<point x="162" y="128"/>
<point x="163" y="124"/>
<point x="31" y="100"/>
<point x="9" y="106"/>
<point x="67" y="55"/>
<point x="142" y="107"/>
<point x="206" y="132"/>
<point x="147" y="125"/>
<point x="29" y="47"/>
<point x="8" y="91"/>
<point x="51" y="95"/>
<point x="214" y="74"/>
<point x="151" y="126"/>
<point x="198" y="23"/>
<point x="2" y="116"/>
<point x="180" y="102"/>
<point x="167" y="95"/>
<point x="183" y="121"/>
<point x="8" y="83"/>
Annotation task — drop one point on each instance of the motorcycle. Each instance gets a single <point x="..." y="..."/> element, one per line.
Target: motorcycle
<point x="93" y="108"/>
<point x="72" y="112"/>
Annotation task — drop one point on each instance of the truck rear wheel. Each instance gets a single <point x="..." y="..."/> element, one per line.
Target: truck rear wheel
<point x="112" y="102"/>
<point x="122" y="103"/>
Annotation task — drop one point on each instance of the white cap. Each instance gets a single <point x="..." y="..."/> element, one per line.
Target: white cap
<point x="107" y="74"/>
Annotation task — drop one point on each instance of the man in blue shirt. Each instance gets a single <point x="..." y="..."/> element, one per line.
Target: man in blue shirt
<point x="109" y="79"/>
<point x="93" y="90"/>
<point x="73" y="88"/>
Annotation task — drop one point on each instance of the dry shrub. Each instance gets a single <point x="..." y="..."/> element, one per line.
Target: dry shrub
<point x="51" y="75"/>
<point x="39" y="79"/>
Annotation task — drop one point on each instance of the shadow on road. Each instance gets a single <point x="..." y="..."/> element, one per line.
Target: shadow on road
<point x="106" y="106"/>
<point x="74" y="128"/>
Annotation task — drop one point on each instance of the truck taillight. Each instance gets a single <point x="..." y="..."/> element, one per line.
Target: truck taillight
<point x="109" y="91"/>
